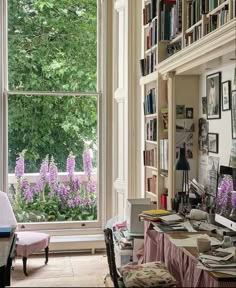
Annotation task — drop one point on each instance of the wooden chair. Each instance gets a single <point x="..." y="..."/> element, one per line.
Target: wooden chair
<point x="157" y="272"/>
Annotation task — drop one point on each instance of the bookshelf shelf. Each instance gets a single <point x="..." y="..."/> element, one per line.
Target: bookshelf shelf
<point x="154" y="47"/>
<point x="190" y="29"/>
<point x="176" y="39"/>
<point x="213" y="45"/>
<point x="151" y="167"/>
<point x="218" y="8"/>
<point x="150" y="115"/>
<point x="152" y="77"/>
<point x="151" y="142"/>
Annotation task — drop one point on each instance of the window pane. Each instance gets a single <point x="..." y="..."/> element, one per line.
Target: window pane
<point x="52" y="45"/>
<point x="53" y="157"/>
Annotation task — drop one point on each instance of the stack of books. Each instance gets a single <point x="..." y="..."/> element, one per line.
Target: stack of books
<point x="154" y="215"/>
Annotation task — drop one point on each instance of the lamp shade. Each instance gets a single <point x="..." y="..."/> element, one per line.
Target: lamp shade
<point x="182" y="162"/>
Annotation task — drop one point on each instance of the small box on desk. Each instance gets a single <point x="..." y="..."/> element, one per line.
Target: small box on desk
<point x="134" y="208"/>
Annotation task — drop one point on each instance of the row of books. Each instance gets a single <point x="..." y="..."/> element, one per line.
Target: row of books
<point x="151" y="34"/>
<point x="151" y="184"/>
<point x="217" y="20"/>
<point x="149" y="63"/>
<point x="150" y="157"/>
<point x="151" y="130"/>
<point x="164" y="154"/>
<point x="176" y="19"/>
<point x="149" y="11"/>
<point x="194" y="12"/>
<point x="195" y="35"/>
<point x="150" y="102"/>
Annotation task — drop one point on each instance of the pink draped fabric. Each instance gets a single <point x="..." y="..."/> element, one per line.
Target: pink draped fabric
<point x="158" y="247"/>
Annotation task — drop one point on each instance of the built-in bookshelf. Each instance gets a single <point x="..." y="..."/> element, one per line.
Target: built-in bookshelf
<point x="172" y="25"/>
<point x="181" y="39"/>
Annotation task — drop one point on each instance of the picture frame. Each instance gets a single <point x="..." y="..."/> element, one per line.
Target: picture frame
<point x="189" y="113"/>
<point x="204" y="105"/>
<point x="226" y="99"/>
<point x="213" y="94"/>
<point x="233" y="113"/>
<point x="213" y="142"/>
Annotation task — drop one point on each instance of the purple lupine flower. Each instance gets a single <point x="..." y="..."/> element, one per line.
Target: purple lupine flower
<point x="63" y="192"/>
<point x="75" y="202"/>
<point x="39" y="185"/>
<point x="87" y="162"/>
<point x="233" y="199"/>
<point x="44" y="169"/>
<point x="91" y="186"/>
<point x="24" y="183"/>
<point x="28" y="194"/>
<point x="53" y="173"/>
<point x="20" y="166"/>
<point x="77" y="183"/>
<point x="70" y="165"/>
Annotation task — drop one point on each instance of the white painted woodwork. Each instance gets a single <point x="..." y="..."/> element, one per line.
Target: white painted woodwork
<point x="120" y="95"/>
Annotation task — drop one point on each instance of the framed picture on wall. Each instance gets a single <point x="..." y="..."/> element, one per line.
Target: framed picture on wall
<point x="226" y="88"/>
<point x="213" y="142"/>
<point x="213" y="94"/>
<point x="233" y="113"/>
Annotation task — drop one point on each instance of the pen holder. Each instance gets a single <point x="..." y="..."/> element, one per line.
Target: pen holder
<point x="203" y="245"/>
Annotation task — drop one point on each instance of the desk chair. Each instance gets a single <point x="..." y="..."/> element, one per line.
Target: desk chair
<point x="153" y="274"/>
<point x="27" y="242"/>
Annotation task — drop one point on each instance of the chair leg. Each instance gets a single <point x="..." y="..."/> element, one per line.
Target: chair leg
<point x="24" y="259"/>
<point x="46" y="255"/>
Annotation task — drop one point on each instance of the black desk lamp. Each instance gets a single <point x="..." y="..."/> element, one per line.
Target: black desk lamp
<point x="183" y="165"/>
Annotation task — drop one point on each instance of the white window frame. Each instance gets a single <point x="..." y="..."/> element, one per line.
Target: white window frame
<point x="72" y="227"/>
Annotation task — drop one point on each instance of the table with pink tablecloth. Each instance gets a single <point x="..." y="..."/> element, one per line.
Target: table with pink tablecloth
<point x="182" y="265"/>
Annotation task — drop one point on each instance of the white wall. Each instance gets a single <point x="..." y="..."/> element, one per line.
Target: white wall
<point x="221" y="126"/>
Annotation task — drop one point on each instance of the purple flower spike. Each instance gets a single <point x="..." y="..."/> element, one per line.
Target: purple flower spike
<point x="70" y="165"/>
<point x="20" y="166"/>
<point x="91" y="186"/>
<point x="87" y="161"/>
<point x="53" y="173"/>
<point x="28" y="194"/>
<point x="63" y="192"/>
<point x="233" y="199"/>
<point x="77" y="183"/>
<point x="44" y="169"/>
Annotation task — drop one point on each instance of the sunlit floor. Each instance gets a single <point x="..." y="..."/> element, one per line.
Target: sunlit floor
<point x="63" y="270"/>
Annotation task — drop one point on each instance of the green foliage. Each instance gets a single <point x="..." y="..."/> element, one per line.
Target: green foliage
<point x="52" y="47"/>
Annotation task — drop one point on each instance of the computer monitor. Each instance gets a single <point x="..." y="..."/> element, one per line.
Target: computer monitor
<point x="226" y="198"/>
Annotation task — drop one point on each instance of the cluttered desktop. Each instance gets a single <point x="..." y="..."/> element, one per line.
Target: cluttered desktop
<point x="189" y="240"/>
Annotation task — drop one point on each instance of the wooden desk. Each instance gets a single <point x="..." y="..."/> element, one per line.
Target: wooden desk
<point x="7" y="248"/>
<point x="181" y="261"/>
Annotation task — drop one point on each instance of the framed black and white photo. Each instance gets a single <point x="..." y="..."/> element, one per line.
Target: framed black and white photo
<point x="213" y="142"/>
<point x="189" y="113"/>
<point x="226" y="87"/>
<point x="233" y="113"/>
<point x="213" y="94"/>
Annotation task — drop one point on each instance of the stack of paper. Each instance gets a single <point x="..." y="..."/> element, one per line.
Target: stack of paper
<point x="218" y="259"/>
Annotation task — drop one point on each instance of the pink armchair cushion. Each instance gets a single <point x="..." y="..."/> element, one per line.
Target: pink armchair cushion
<point x="29" y="242"/>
